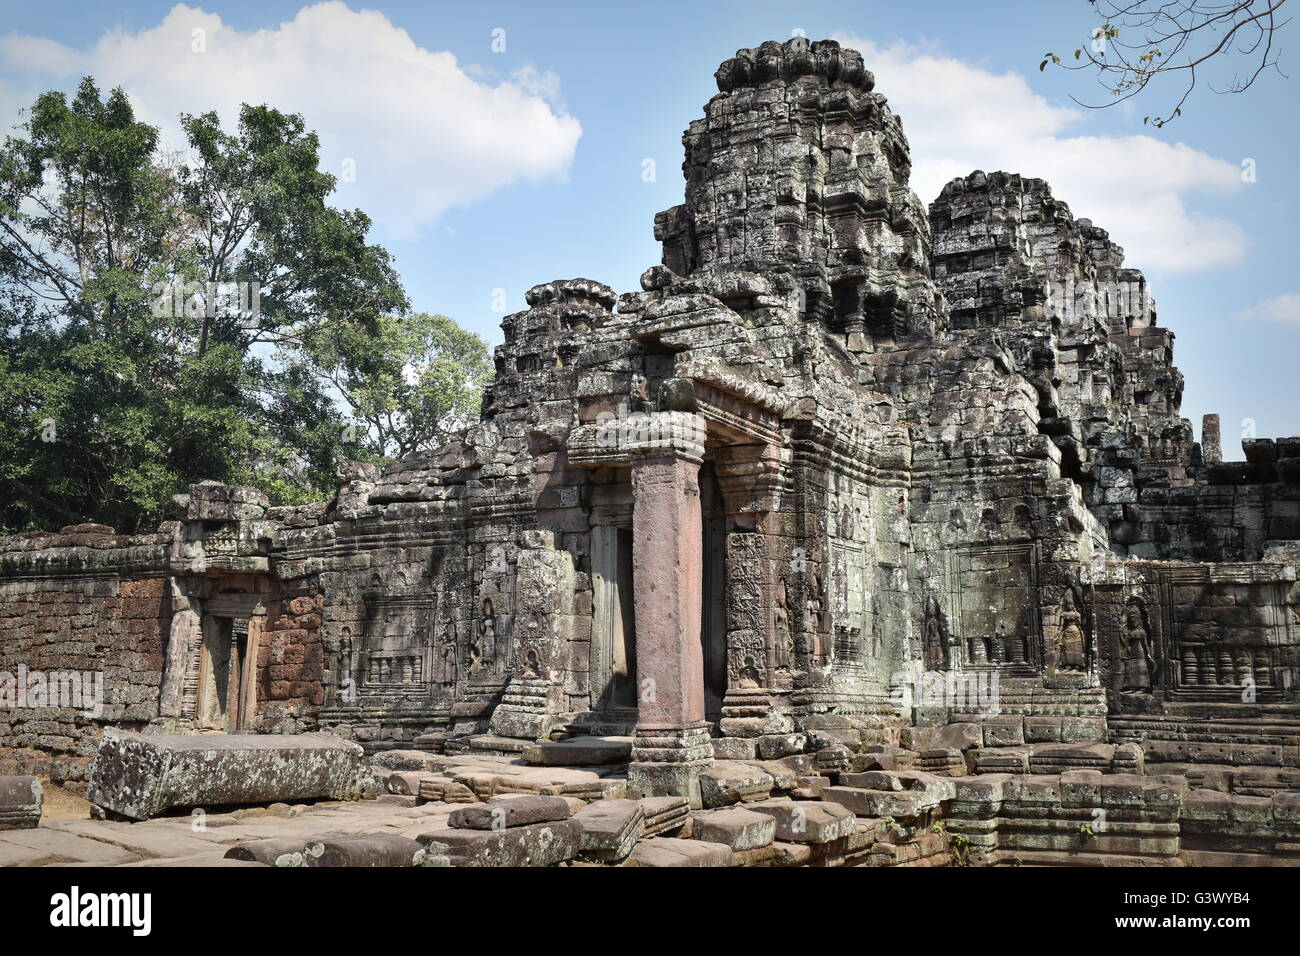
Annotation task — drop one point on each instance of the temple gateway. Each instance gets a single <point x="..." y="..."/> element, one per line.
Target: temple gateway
<point x="843" y="473"/>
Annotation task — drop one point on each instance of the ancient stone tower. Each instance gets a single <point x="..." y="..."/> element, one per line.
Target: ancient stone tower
<point x="840" y="474"/>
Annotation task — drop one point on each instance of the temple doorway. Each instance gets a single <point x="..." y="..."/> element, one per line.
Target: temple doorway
<point x="713" y="604"/>
<point x="614" y="665"/>
<point x="226" y="682"/>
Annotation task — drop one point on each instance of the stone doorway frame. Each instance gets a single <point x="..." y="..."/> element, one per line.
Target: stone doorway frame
<point x="241" y="686"/>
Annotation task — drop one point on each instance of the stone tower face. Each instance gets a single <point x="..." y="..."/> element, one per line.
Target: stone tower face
<point x="799" y="167"/>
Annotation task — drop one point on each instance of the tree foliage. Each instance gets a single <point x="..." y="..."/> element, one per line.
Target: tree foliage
<point x="165" y="318"/>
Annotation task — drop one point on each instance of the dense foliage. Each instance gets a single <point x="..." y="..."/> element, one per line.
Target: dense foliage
<point x="170" y="318"/>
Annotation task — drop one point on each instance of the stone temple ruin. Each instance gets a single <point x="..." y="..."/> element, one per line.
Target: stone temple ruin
<point x="854" y="506"/>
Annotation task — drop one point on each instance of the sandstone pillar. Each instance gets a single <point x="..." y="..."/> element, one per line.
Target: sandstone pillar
<point x="1211" y="443"/>
<point x="186" y="633"/>
<point x="671" y="745"/>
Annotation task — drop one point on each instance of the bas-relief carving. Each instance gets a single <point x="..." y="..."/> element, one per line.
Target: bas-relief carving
<point x="1139" y="664"/>
<point x="935" y="638"/>
<point x="481" y="651"/>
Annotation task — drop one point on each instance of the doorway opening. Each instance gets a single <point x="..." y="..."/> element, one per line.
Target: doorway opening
<point x="615" y="666"/>
<point x="713" y="604"/>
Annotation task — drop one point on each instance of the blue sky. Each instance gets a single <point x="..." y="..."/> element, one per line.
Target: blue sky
<point x="492" y="169"/>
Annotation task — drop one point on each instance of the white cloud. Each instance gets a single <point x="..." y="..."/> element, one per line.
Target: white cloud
<point x="422" y="133"/>
<point x="959" y="118"/>
<point x="1283" y="309"/>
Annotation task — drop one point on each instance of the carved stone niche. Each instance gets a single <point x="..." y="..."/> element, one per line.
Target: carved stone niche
<point x="1228" y="635"/>
<point x="996" y="619"/>
<point x="396" y="653"/>
<point x="1069" y="645"/>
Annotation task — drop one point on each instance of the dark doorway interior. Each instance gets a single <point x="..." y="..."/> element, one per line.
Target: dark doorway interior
<point x="713" y="623"/>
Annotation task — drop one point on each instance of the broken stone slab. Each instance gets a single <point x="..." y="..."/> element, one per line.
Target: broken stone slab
<point x="921" y="792"/>
<point x="333" y="850"/>
<point x="670" y="852"/>
<point x="406" y="783"/>
<point x="835" y="758"/>
<point x="873" y="780"/>
<point x="874" y="803"/>
<point x="735" y="827"/>
<point x="729" y="781"/>
<point x="406" y="760"/>
<point x="21" y="800"/>
<point x="960" y="736"/>
<point x="807" y="821"/>
<point x="540" y="844"/>
<point x="370" y="850"/>
<point x="665" y="814"/>
<point x="140" y="776"/>
<point x="610" y="828"/>
<point x="579" y="752"/>
<point x="445" y="790"/>
<point x="282" y="852"/>
<point x="809" y="787"/>
<point x="502" y="814"/>
<point x="776" y="746"/>
<point x="735" y="748"/>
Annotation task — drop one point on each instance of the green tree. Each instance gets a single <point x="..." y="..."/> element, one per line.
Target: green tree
<point x="159" y="314"/>
<point x="408" y="388"/>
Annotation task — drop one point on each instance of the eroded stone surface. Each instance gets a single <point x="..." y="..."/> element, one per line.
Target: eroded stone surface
<point x="139" y="776"/>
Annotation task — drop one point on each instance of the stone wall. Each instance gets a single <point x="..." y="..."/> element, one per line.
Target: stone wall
<point x="82" y="642"/>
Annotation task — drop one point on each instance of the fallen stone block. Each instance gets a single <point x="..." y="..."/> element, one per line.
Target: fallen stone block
<point x="962" y="736"/>
<point x="369" y="850"/>
<point x="579" y="752"/>
<point x="502" y="814"/>
<point x="541" y="844"/>
<point x="332" y="850"/>
<point x="21" y="800"/>
<point x="873" y="780"/>
<point x="834" y="759"/>
<point x="807" y="821"/>
<point x="729" y="781"/>
<point x="446" y="790"/>
<point x="139" y="776"/>
<point x="665" y="814"/>
<point x="405" y="760"/>
<point x="735" y="748"/>
<point x="610" y="828"/>
<point x="776" y="746"/>
<point x="666" y="851"/>
<point x="809" y="787"/>
<point x="288" y="852"/>
<point x="406" y="783"/>
<point x="735" y="827"/>
<point x="876" y="803"/>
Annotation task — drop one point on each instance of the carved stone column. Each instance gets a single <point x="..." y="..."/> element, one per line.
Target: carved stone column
<point x="750" y="476"/>
<point x="186" y="632"/>
<point x="671" y="744"/>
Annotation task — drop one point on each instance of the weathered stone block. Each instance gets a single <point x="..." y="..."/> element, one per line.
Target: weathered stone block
<point x="510" y="812"/>
<point x="540" y="844"/>
<point x="729" y="781"/>
<point x="610" y="828"/>
<point x="579" y="752"/>
<point x="670" y="852"/>
<point x="807" y="821"/>
<point x="139" y="776"/>
<point x="21" y="800"/>
<point x="735" y="827"/>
